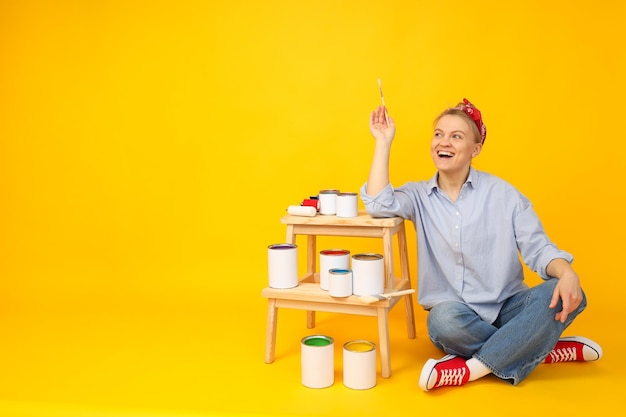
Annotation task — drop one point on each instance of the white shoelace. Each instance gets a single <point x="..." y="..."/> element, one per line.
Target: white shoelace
<point x="451" y="377"/>
<point x="563" y="355"/>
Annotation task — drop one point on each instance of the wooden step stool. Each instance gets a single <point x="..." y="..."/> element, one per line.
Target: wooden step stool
<point x="309" y="296"/>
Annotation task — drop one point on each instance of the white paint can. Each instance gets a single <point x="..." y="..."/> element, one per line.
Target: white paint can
<point x="329" y="259"/>
<point x="347" y="205"/>
<point x="328" y="201"/>
<point x="282" y="265"/>
<point x="368" y="274"/>
<point x="359" y="364"/>
<point x="340" y="282"/>
<point x="318" y="361"/>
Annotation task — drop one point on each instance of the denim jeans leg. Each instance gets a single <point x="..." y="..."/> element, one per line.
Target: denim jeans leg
<point x="527" y="332"/>
<point x="456" y="329"/>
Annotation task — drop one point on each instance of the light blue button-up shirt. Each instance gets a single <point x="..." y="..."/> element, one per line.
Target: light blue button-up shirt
<point x="469" y="250"/>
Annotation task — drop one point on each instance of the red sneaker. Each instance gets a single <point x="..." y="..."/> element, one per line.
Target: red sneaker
<point x="448" y="371"/>
<point x="574" y="348"/>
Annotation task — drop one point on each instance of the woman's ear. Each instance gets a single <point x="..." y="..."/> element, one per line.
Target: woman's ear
<point x="477" y="148"/>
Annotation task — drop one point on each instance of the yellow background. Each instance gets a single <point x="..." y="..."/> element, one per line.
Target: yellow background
<point x="148" y="149"/>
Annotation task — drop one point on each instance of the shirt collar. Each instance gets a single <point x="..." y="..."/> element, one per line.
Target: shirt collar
<point x="472" y="180"/>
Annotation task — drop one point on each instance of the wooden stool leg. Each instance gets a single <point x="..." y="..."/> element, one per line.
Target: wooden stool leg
<point x="388" y="260"/>
<point x="270" y="337"/>
<point x="383" y="342"/>
<point x="311" y="262"/>
<point x="404" y="266"/>
<point x="410" y="318"/>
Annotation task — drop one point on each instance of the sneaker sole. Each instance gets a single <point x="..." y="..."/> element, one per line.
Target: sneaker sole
<point x="428" y="369"/>
<point x="590" y="343"/>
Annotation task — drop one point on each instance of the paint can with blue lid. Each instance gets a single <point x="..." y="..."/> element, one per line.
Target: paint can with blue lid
<point x="339" y="282"/>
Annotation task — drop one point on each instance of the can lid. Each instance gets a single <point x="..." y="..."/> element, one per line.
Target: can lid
<point x="367" y="256"/>
<point x="339" y="271"/>
<point x="359" y="346"/>
<point x="283" y="246"/>
<point x="317" y="340"/>
<point x="346" y="194"/>
<point x="335" y="252"/>
<point x="329" y="192"/>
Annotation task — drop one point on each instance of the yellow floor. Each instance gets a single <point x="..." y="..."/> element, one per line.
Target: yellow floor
<point x="199" y="355"/>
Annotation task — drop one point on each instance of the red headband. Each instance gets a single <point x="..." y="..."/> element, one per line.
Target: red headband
<point x="474" y="114"/>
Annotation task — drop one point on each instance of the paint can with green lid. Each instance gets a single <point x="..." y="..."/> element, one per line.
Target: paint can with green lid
<point x="318" y="361"/>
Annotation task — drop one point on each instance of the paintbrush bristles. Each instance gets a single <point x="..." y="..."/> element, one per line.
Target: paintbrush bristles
<point x="369" y="299"/>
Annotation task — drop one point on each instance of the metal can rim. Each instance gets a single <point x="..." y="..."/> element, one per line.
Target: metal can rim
<point x="282" y="246"/>
<point x="317" y="336"/>
<point x="367" y="256"/>
<point x="363" y="341"/>
<point x="339" y="271"/>
<point x="335" y="252"/>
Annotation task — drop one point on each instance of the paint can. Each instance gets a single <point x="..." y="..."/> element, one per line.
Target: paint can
<point x="347" y="205"/>
<point x="339" y="282"/>
<point x="359" y="364"/>
<point x="329" y="259"/>
<point x="328" y="201"/>
<point x="282" y="262"/>
<point x="318" y="361"/>
<point x="368" y="276"/>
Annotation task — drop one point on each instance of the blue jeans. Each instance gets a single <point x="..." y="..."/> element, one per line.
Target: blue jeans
<point x="512" y="346"/>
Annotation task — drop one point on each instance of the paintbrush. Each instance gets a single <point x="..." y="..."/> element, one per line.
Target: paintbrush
<point x="369" y="299"/>
<point x="382" y="98"/>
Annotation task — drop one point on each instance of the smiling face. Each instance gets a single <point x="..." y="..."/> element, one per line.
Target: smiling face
<point x="454" y="144"/>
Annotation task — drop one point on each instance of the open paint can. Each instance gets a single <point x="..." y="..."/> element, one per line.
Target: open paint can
<point x="328" y="201"/>
<point x="359" y="364"/>
<point x="282" y="265"/>
<point x="368" y="274"/>
<point x="329" y="259"/>
<point x="347" y="205"/>
<point x="318" y="361"/>
<point x="340" y="282"/>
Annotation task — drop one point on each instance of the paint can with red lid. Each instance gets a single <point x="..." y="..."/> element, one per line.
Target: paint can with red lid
<point x="329" y="259"/>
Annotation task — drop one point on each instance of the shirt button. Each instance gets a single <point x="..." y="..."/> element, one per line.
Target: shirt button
<point x="458" y="214"/>
<point x="456" y="226"/>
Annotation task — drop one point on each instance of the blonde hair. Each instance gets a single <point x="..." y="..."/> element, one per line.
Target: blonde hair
<point x="459" y="110"/>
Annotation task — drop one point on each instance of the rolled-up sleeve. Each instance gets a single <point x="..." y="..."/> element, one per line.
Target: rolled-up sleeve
<point x="387" y="203"/>
<point x="535" y="247"/>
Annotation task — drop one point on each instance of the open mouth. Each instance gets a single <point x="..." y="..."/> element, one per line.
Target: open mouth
<point x="444" y="154"/>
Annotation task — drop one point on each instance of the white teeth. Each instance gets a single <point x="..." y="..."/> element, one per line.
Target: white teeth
<point x="441" y="153"/>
